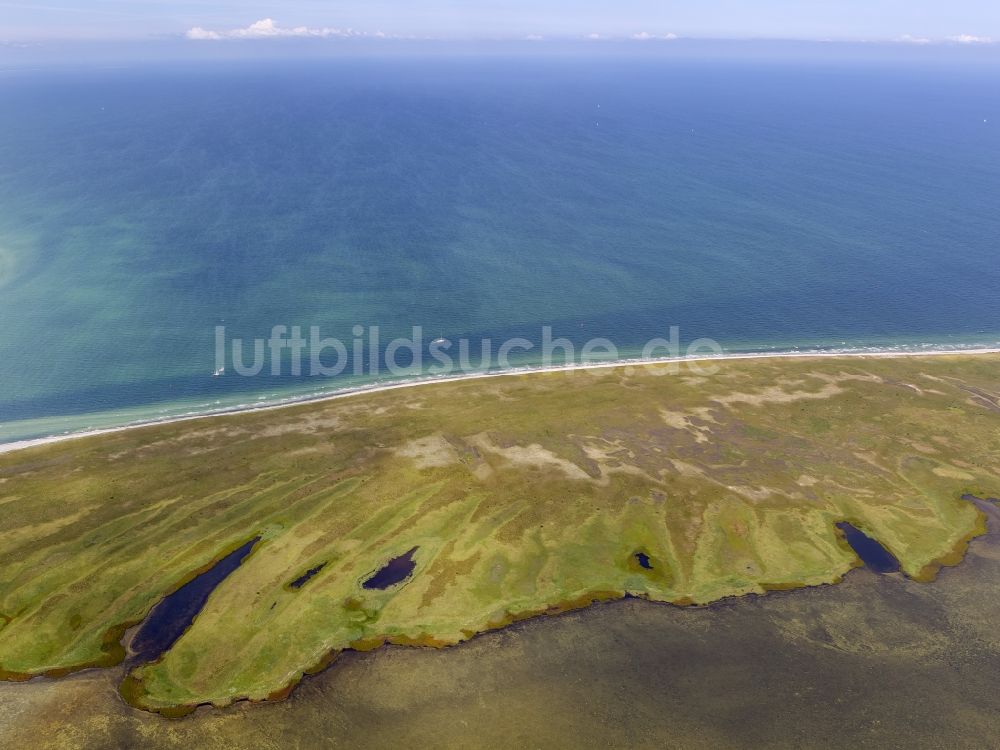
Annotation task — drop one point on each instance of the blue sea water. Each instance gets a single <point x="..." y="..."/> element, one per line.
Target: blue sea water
<point x="766" y="206"/>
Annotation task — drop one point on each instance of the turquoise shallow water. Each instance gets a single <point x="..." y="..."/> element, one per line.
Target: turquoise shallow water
<point x="763" y="206"/>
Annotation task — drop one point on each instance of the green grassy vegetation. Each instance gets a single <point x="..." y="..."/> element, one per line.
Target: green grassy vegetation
<point x="524" y="495"/>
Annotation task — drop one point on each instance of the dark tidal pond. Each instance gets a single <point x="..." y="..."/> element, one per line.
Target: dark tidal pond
<point x="872" y="553"/>
<point x="397" y="570"/>
<point x="303" y="579"/>
<point x="175" y="612"/>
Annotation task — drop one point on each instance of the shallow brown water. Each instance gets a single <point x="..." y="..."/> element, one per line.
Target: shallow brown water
<point x="876" y="661"/>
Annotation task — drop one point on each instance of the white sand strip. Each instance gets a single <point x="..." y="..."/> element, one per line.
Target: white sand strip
<point x="423" y="381"/>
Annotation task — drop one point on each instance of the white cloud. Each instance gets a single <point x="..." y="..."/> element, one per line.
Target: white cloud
<point x="645" y="36"/>
<point x="910" y="39"/>
<point x="969" y="39"/>
<point x="199" y="33"/>
<point x="266" y="28"/>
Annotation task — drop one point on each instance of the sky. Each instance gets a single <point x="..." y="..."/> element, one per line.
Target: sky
<point x="908" y="21"/>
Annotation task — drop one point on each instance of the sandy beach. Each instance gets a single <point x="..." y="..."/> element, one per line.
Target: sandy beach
<point x="423" y="381"/>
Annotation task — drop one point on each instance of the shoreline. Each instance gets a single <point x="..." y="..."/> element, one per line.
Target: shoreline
<point x="415" y="381"/>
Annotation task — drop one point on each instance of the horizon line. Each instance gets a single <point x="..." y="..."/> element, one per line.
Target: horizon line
<point x="266" y="30"/>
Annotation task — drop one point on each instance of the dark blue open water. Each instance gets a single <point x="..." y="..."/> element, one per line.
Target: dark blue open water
<point x="766" y="206"/>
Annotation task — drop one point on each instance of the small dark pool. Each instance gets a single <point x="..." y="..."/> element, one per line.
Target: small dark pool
<point x="872" y="554"/>
<point x="975" y="499"/>
<point x="397" y="570"/>
<point x="175" y="613"/>
<point x="643" y="560"/>
<point x="303" y="579"/>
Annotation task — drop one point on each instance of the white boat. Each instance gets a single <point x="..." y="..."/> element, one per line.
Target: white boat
<point x="220" y="371"/>
<point x="439" y="341"/>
